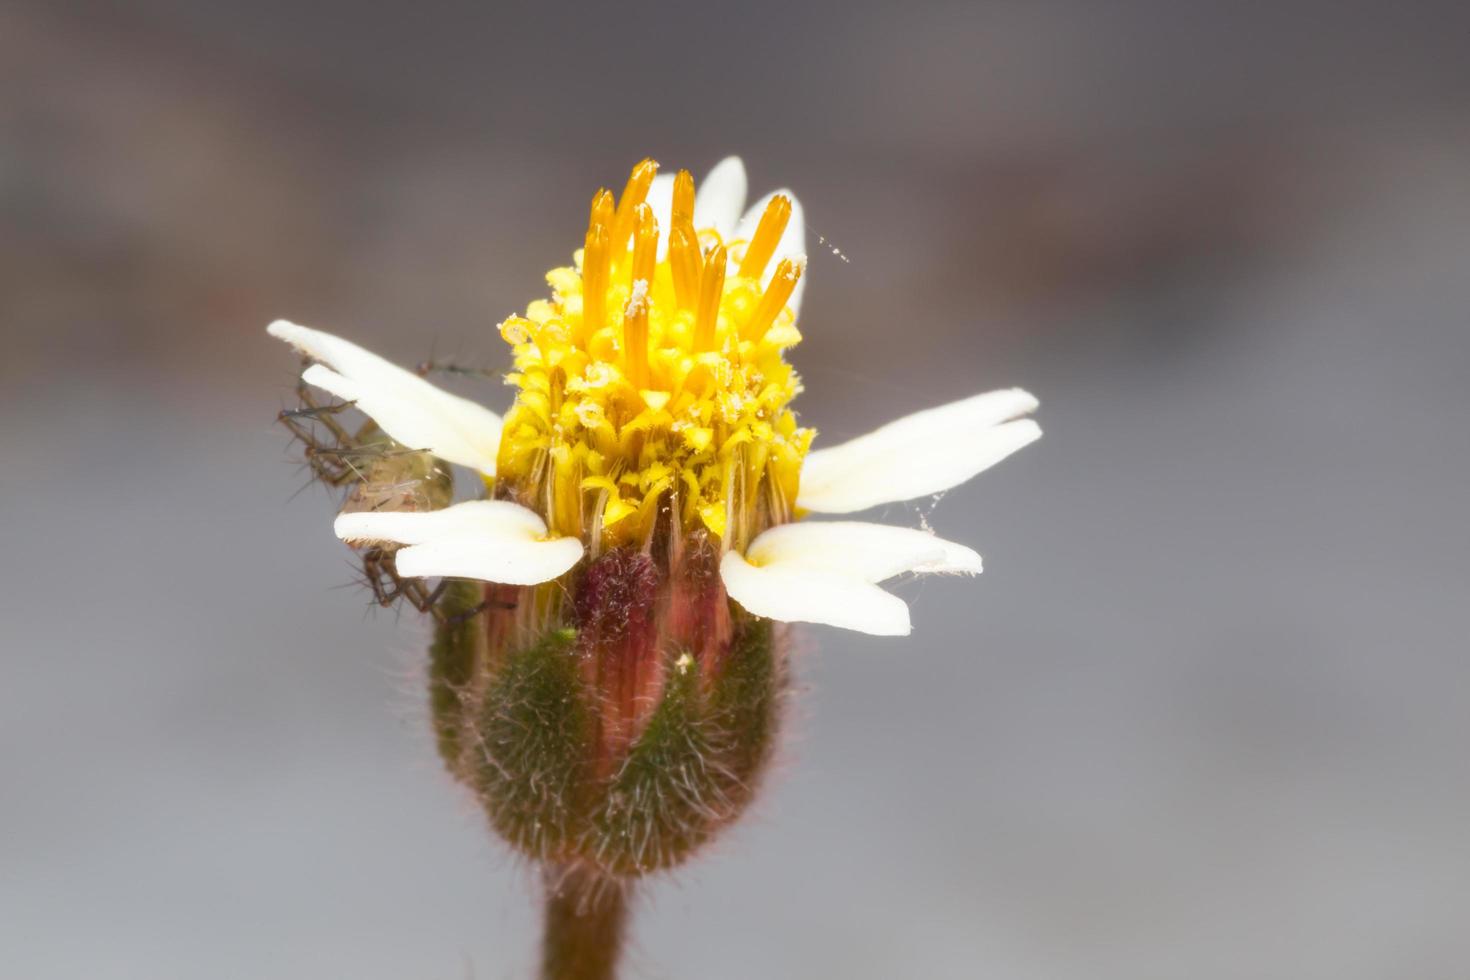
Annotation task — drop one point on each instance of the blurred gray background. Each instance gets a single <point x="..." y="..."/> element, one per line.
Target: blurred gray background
<point x="1204" y="716"/>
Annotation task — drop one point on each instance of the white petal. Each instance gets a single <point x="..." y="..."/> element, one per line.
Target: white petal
<point x="718" y="200"/>
<point x="927" y="452"/>
<point x="825" y="572"/>
<point x="491" y="540"/>
<point x="870" y="552"/>
<point x="795" y="594"/>
<point x="660" y="200"/>
<point x="490" y="560"/>
<point x="470" y="520"/>
<point x="323" y="377"/>
<point x="409" y="409"/>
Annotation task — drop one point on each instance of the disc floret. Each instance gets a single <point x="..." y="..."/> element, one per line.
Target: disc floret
<point x="650" y="377"/>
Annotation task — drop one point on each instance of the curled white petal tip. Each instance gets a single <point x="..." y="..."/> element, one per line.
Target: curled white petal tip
<point x="1009" y="402"/>
<point x="957" y="560"/>
<point x="1023" y="431"/>
<point x="409" y="409"/>
<point x="920" y="454"/>
<point x="490" y="540"/>
<point x="323" y="377"/>
<point x="291" y="333"/>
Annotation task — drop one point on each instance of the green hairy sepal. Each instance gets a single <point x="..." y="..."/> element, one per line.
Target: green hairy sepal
<point x="520" y="728"/>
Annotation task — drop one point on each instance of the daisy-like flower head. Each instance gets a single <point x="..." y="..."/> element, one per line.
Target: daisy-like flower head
<point x="653" y="413"/>
<point x="608" y="659"/>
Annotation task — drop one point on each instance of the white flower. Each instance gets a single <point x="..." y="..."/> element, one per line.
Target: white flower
<point x="806" y="571"/>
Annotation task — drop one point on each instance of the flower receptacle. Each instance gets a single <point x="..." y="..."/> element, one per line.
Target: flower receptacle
<point x="610" y="744"/>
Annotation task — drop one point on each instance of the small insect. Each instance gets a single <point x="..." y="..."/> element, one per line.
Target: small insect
<point x="381" y="575"/>
<point x="323" y="454"/>
<point x="379" y="475"/>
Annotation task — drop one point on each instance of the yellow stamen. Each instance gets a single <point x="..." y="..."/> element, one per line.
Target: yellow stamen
<point x="566" y="492"/>
<point x="776" y="296"/>
<point x="603" y="209"/>
<point x="684" y="263"/>
<point x="555" y="390"/>
<point x="683" y="209"/>
<point x="635" y="314"/>
<point x="767" y="235"/>
<point x="596" y="258"/>
<point x="594" y="284"/>
<point x="640" y="378"/>
<point x="684" y="258"/>
<point x="634" y="194"/>
<point x="711" y="287"/>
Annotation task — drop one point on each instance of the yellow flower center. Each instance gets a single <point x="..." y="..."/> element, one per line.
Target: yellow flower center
<point x="653" y="385"/>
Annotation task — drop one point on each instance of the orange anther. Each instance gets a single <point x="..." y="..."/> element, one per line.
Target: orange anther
<point x="595" y="261"/>
<point x="683" y="209"/>
<point x="685" y="262"/>
<point x="634" y="194"/>
<point x="767" y="235"/>
<point x="773" y="301"/>
<point x="711" y="287"/>
<point x="635" y="314"/>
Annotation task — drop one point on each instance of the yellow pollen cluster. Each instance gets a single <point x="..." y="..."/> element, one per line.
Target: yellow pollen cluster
<point x="650" y="382"/>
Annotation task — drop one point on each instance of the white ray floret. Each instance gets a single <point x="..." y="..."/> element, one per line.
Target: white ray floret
<point x="472" y="518"/>
<point x="927" y="452"/>
<point x="490" y="540"/>
<point x="409" y="409"/>
<point x="826" y="572"/>
<point x="720" y="197"/>
<point x="872" y="552"/>
<point x="660" y="201"/>
<point x="802" y="595"/>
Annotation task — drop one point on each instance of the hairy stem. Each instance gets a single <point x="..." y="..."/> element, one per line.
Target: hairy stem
<point x="585" y="919"/>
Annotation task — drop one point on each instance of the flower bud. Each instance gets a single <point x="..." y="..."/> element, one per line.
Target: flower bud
<point x="616" y="728"/>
